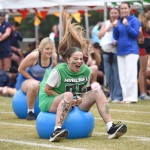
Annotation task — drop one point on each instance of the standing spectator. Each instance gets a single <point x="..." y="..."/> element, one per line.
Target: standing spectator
<point x="126" y="32"/>
<point x="54" y="35"/>
<point x="108" y="45"/>
<point x="147" y="32"/>
<point x="95" y="32"/>
<point x="16" y="37"/>
<point x="5" y="36"/>
<point x="144" y="40"/>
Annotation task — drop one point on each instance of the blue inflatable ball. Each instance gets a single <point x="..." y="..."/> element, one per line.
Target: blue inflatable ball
<point x="80" y="124"/>
<point x="19" y="105"/>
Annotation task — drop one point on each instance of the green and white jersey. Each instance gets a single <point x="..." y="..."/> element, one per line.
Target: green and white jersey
<point x="66" y="80"/>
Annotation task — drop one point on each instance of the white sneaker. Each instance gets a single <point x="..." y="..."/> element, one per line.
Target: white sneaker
<point x="144" y="97"/>
<point x="115" y="101"/>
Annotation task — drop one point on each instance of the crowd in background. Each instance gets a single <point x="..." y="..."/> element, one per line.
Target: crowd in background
<point x="118" y="54"/>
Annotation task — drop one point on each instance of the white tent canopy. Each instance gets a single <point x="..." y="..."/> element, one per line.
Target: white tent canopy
<point x="29" y="4"/>
<point x="57" y="5"/>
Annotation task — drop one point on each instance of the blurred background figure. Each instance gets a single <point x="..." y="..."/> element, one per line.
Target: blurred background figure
<point x="54" y="35"/>
<point x="8" y="81"/>
<point x="16" y="37"/>
<point x="94" y="33"/>
<point x="5" y="37"/>
<point x="108" y="45"/>
<point x="100" y="75"/>
<point x="93" y="60"/>
<point x="144" y="48"/>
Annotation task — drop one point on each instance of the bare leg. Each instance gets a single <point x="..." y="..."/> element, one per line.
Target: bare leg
<point x="98" y="97"/>
<point x="8" y="91"/>
<point x="94" y="72"/>
<point x="142" y="74"/>
<point x="7" y="63"/>
<point x="31" y="88"/>
<point x="1" y="64"/>
<point x="62" y="105"/>
<point x="16" y="58"/>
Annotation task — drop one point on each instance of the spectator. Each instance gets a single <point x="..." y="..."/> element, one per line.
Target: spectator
<point x="31" y="47"/>
<point x="5" y="36"/>
<point x="54" y="35"/>
<point x="144" y="40"/>
<point x="100" y="75"/>
<point x="108" y="45"/>
<point x="92" y="60"/>
<point x="126" y="32"/>
<point x="7" y="81"/>
<point x="16" y="37"/>
<point x="95" y="32"/>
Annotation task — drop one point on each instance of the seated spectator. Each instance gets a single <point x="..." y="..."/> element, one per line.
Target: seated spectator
<point x="93" y="61"/>
<point x="31" y="47"/>
<point x="7" y="82"/>
<point x="100" y="75"/>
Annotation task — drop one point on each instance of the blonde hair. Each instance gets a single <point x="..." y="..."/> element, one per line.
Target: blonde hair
<point x="73" y="36"/>
<point x="44" y="42"/>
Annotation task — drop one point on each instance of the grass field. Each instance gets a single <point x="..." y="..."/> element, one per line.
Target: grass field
<point x="18" y="134"/>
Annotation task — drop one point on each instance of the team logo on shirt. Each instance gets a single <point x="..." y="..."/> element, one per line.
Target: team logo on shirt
<point x="75" y="80"/>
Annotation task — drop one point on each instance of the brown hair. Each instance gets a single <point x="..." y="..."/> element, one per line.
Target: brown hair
<point x="143" y="21"/>
<point x="146" y="8"/>
<point x="73" y="37"/>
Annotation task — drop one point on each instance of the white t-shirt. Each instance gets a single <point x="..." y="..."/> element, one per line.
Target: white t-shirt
<point x="55" y="78"/>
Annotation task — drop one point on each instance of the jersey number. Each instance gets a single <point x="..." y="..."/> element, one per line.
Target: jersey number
<point x="76" y="88"/>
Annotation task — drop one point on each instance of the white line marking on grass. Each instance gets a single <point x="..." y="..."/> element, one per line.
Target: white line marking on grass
<point x="129" y="111"/>
<point x="37" y="144"/>
<point x="2" y="112"/>
<point x="17" y="124"/>
<point x="132" y="137"/>
<point x="3" y="104"/>
<point x="127" y="121"/>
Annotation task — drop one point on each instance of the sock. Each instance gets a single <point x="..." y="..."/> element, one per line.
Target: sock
<point x="109" y="125"/>
<point x="56" y="127"/>
<point x="30" y="110"/>
<point x="142" y="95"/>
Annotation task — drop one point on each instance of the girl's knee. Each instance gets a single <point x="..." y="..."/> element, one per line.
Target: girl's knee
<point x="68" y="96"/>
<point x="34" y="87"/>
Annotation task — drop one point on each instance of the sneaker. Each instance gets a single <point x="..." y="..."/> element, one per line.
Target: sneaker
<point x="144" y="97"/>
<point x="117" y="130"/>
<point x="58" y="135"/>
<point x="31" y="116"/>
<point x="115" y="101"/>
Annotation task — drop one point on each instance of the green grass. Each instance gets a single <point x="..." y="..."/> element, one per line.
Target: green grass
<point x="19" y="134"/>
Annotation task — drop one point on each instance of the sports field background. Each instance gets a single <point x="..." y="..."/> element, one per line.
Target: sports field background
<point x="18" y="134"/>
